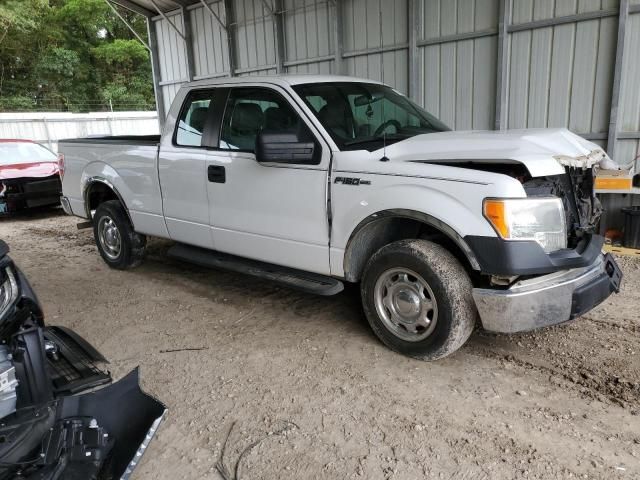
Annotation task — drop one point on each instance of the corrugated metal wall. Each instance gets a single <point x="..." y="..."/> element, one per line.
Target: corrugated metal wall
<point x="308" y="36"/>
<point x="557" y="69"/>
<point x="375" y="41"/>
<point x="460" y="74"/>
<point x="561" y="76"/>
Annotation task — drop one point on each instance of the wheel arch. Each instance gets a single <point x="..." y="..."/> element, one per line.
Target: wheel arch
<point x="97" y="190"/>
<point x="387" y="226"/>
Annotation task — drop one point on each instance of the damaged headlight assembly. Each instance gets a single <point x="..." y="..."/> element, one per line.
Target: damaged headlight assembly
<point x="538" y="219"/>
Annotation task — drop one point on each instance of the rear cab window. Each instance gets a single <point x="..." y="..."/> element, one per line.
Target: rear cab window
<point x="254" y="109"/>
<point x="190" y="126"/>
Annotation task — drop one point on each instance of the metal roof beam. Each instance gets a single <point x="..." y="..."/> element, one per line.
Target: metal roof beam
<point x="214" y="14"/>
<point x="171" y="24"/>
<point x="124" y="20"/>
<point x="551" y="22"/>
<point x="134" y="7"/>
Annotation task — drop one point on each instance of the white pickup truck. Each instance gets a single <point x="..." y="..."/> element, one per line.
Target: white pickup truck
<point x="313" y="181"/>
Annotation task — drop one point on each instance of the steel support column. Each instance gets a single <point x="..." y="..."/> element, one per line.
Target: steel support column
<point x="623" y="15"/>
<point x="188" y="41"/>
<point x="338" y="32"/>
<point x="229" y="14"/>
<point x="155" y="71"/>
<point x="502" y="73"/>
<point x="414" y="20"/>
<point x="278" y="30"/>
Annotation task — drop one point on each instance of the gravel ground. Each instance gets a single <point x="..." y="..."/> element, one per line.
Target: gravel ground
<point x="304" y="376"/>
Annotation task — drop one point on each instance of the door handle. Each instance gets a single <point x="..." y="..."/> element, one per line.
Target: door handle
<point x="216" y="174"/>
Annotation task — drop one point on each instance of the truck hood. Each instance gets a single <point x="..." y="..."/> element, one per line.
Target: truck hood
<point x="28" y="170"/>
<point x="542" y="151"/>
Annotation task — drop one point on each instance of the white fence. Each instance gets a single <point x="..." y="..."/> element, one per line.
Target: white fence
<point x="47" y="127"/>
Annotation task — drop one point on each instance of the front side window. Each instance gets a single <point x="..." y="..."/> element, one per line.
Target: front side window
<point x="252" y="110"/>
<point x="365" y="115"/>
<point x="190" y="126"/>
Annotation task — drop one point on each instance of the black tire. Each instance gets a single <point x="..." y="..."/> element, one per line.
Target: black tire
<point x="449" y="283"/>
<point x="131" y="244"/>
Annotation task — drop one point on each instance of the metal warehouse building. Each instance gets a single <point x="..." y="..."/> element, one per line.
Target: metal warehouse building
<point x="476" y="64"/>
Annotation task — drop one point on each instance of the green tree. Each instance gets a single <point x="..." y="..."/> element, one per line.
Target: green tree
<point x="71" y="55"/>
<point x="128" y="63"/>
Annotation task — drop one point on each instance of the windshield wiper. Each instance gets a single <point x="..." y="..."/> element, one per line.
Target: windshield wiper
<point x="379" y="138"/>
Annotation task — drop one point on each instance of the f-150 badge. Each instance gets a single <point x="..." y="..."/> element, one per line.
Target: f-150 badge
<point x="351" y="181"/>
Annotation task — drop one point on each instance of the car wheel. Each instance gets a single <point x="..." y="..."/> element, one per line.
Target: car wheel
<point x="418" y="299"/>
<point x="119" y="246"/>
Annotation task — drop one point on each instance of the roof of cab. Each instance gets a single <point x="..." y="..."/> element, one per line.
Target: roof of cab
<point x="282" y="80"/>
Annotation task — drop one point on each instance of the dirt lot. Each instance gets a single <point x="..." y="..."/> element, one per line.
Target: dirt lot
<point x="220" y="348"/>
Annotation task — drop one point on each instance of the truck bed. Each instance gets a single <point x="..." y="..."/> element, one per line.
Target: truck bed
<point x="117" y="139"/>
<point x="127" y="164"/>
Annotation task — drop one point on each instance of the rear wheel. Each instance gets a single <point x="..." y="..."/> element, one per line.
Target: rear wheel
<point x="119" y="245"/>
<point x="417" y="298"/>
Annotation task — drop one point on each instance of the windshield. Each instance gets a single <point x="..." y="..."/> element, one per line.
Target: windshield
<point x="24" y="152"/>
<point x="363" y="115"/>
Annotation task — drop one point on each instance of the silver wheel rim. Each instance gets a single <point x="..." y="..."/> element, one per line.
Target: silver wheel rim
<point x="109" y="237"/>
<point x="406" y="304"/>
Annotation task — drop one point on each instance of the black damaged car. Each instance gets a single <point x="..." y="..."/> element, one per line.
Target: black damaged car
<point x="60" y="415"/>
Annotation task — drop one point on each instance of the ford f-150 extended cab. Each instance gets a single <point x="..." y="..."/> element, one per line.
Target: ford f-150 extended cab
<point x="313" y="181"/>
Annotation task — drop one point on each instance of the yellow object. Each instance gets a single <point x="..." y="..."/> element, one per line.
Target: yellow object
<point x="634" y="252"/>
<point x="612" y="183"/>
<point x="495" y="212"/>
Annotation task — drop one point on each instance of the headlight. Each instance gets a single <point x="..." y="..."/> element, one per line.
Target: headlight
<point x="8" y="291"/>
<point x="539" y="219"/>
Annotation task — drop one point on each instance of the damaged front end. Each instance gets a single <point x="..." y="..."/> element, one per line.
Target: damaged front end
<point x="49" y="428"/>
<point x="576" y="189"/>
<point x="16" y="194"/>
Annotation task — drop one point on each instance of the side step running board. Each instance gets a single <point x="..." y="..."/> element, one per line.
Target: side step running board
<point x="300" y="280"/>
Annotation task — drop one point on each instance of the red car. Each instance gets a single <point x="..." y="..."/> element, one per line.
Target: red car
<point x="29" y="176"/>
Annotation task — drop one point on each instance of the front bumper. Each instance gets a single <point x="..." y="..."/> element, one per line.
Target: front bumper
<point x="30" y="193"/>
<point x="548" y="299"/>
<point x="61" y="421"/>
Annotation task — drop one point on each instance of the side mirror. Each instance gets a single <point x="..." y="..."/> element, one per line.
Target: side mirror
<point x="285" y="147"/>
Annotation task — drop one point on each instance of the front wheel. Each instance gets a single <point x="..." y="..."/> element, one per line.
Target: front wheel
<point x="119" y="245"/>
<point x="417" y="298"/>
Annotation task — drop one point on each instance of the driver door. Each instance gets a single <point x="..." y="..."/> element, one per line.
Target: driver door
<point x="272" y="212"/>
